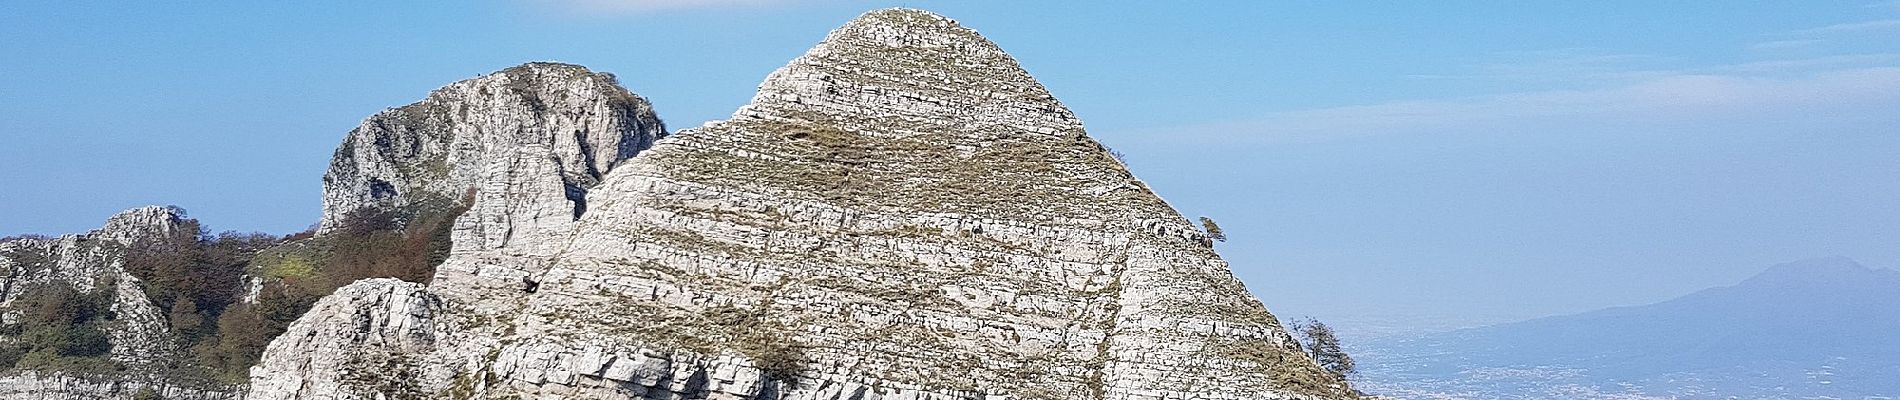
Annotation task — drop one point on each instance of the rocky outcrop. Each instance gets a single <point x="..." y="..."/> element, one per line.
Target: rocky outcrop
<point x="529" y="140"/>
<point x="96" y="262"/>
<point x="900" y="213"/>
<point x="142" y="342"/>
<point x="359" y="335"/>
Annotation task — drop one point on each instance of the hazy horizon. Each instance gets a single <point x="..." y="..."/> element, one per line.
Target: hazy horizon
<point x="1448" y="162"/>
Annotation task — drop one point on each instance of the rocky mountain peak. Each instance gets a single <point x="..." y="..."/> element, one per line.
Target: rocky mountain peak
<point x="914" y="65"/>
<point x="550" y="128"/>
<point x="905" y="109"/>
<point x="902" y="212"/>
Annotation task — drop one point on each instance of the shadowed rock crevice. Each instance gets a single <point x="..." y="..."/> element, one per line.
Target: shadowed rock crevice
<point x="578" y="196"/>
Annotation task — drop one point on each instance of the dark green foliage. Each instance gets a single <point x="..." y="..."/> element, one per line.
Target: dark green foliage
<point x="186" y="320"/>
<point x="11" y="354"/>
<point x="368" y="243"/>
<point x="376" y="243"/>
<point x="198" y="281"/>
<point x="59" y="328"/>
<point x="244" y="330"/>
<point x="194" y="277"/>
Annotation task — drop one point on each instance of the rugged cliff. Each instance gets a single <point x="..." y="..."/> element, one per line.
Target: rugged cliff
<point x="532" y="139"/>
<point x="140" y="345"/>
<point x="535" y="137"/>
<point x="900" y="213"/>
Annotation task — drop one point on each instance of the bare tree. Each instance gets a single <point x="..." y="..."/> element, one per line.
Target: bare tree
<point x="1323" y="346"/>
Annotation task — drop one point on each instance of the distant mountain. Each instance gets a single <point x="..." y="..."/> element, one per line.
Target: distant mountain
<point x="1820" y="328"/>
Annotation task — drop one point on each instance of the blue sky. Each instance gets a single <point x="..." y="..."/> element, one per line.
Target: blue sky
<point x="1459" y="161"/>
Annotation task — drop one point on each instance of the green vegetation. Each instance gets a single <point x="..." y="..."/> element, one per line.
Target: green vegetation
<point x="59" y="328"/>
<point x="369" y="243"/>
<point x="199" y="280"/>
<point x="194" y="276"/>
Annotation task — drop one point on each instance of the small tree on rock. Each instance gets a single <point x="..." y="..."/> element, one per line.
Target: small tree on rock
<point x="1323" y="345"/>
<point x="1213" y="230"/>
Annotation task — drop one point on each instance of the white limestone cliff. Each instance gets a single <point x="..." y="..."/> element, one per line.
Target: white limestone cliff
<point x="529" y="140"/>
<point x="900" y="213"/>
<point x="366" y="328"/>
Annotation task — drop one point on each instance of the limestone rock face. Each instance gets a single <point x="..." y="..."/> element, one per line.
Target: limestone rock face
<point x="95" y="261"/>
<point x="900" y="213"/>
<point x="354" y="336"/>
<point x="528" y="141"/>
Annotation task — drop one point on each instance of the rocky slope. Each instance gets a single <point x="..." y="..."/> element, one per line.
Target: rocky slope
<point x="900" y="213"/>
<point x="95" y="263"/>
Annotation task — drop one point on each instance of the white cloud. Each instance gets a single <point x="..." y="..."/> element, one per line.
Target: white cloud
<point x="1673" y="98"/>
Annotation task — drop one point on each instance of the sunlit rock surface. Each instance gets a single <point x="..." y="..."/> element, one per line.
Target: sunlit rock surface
<point x="531" y="139"/>
<point x="900" y="213"/>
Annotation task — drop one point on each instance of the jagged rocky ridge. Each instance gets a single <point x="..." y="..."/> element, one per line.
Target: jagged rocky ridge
<point x="900" y="213"/>
<point x="141" y="340"/>
<point x="531" y="127"/>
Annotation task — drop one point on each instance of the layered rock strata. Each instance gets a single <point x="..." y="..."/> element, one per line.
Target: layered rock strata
<point x="900" y="213"/>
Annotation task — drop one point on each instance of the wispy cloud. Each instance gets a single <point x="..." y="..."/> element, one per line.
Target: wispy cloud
<point x="1824" y="38"/>
<point x="1853" y="27"/>
<point x="1800" y="73"/>
<point x="1676" y="98"/>
<point x="646" y="6"/>
<point x="1811" y="64"/>
<point x="1558" y="65"/>
<point x="1787" y="45"/>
